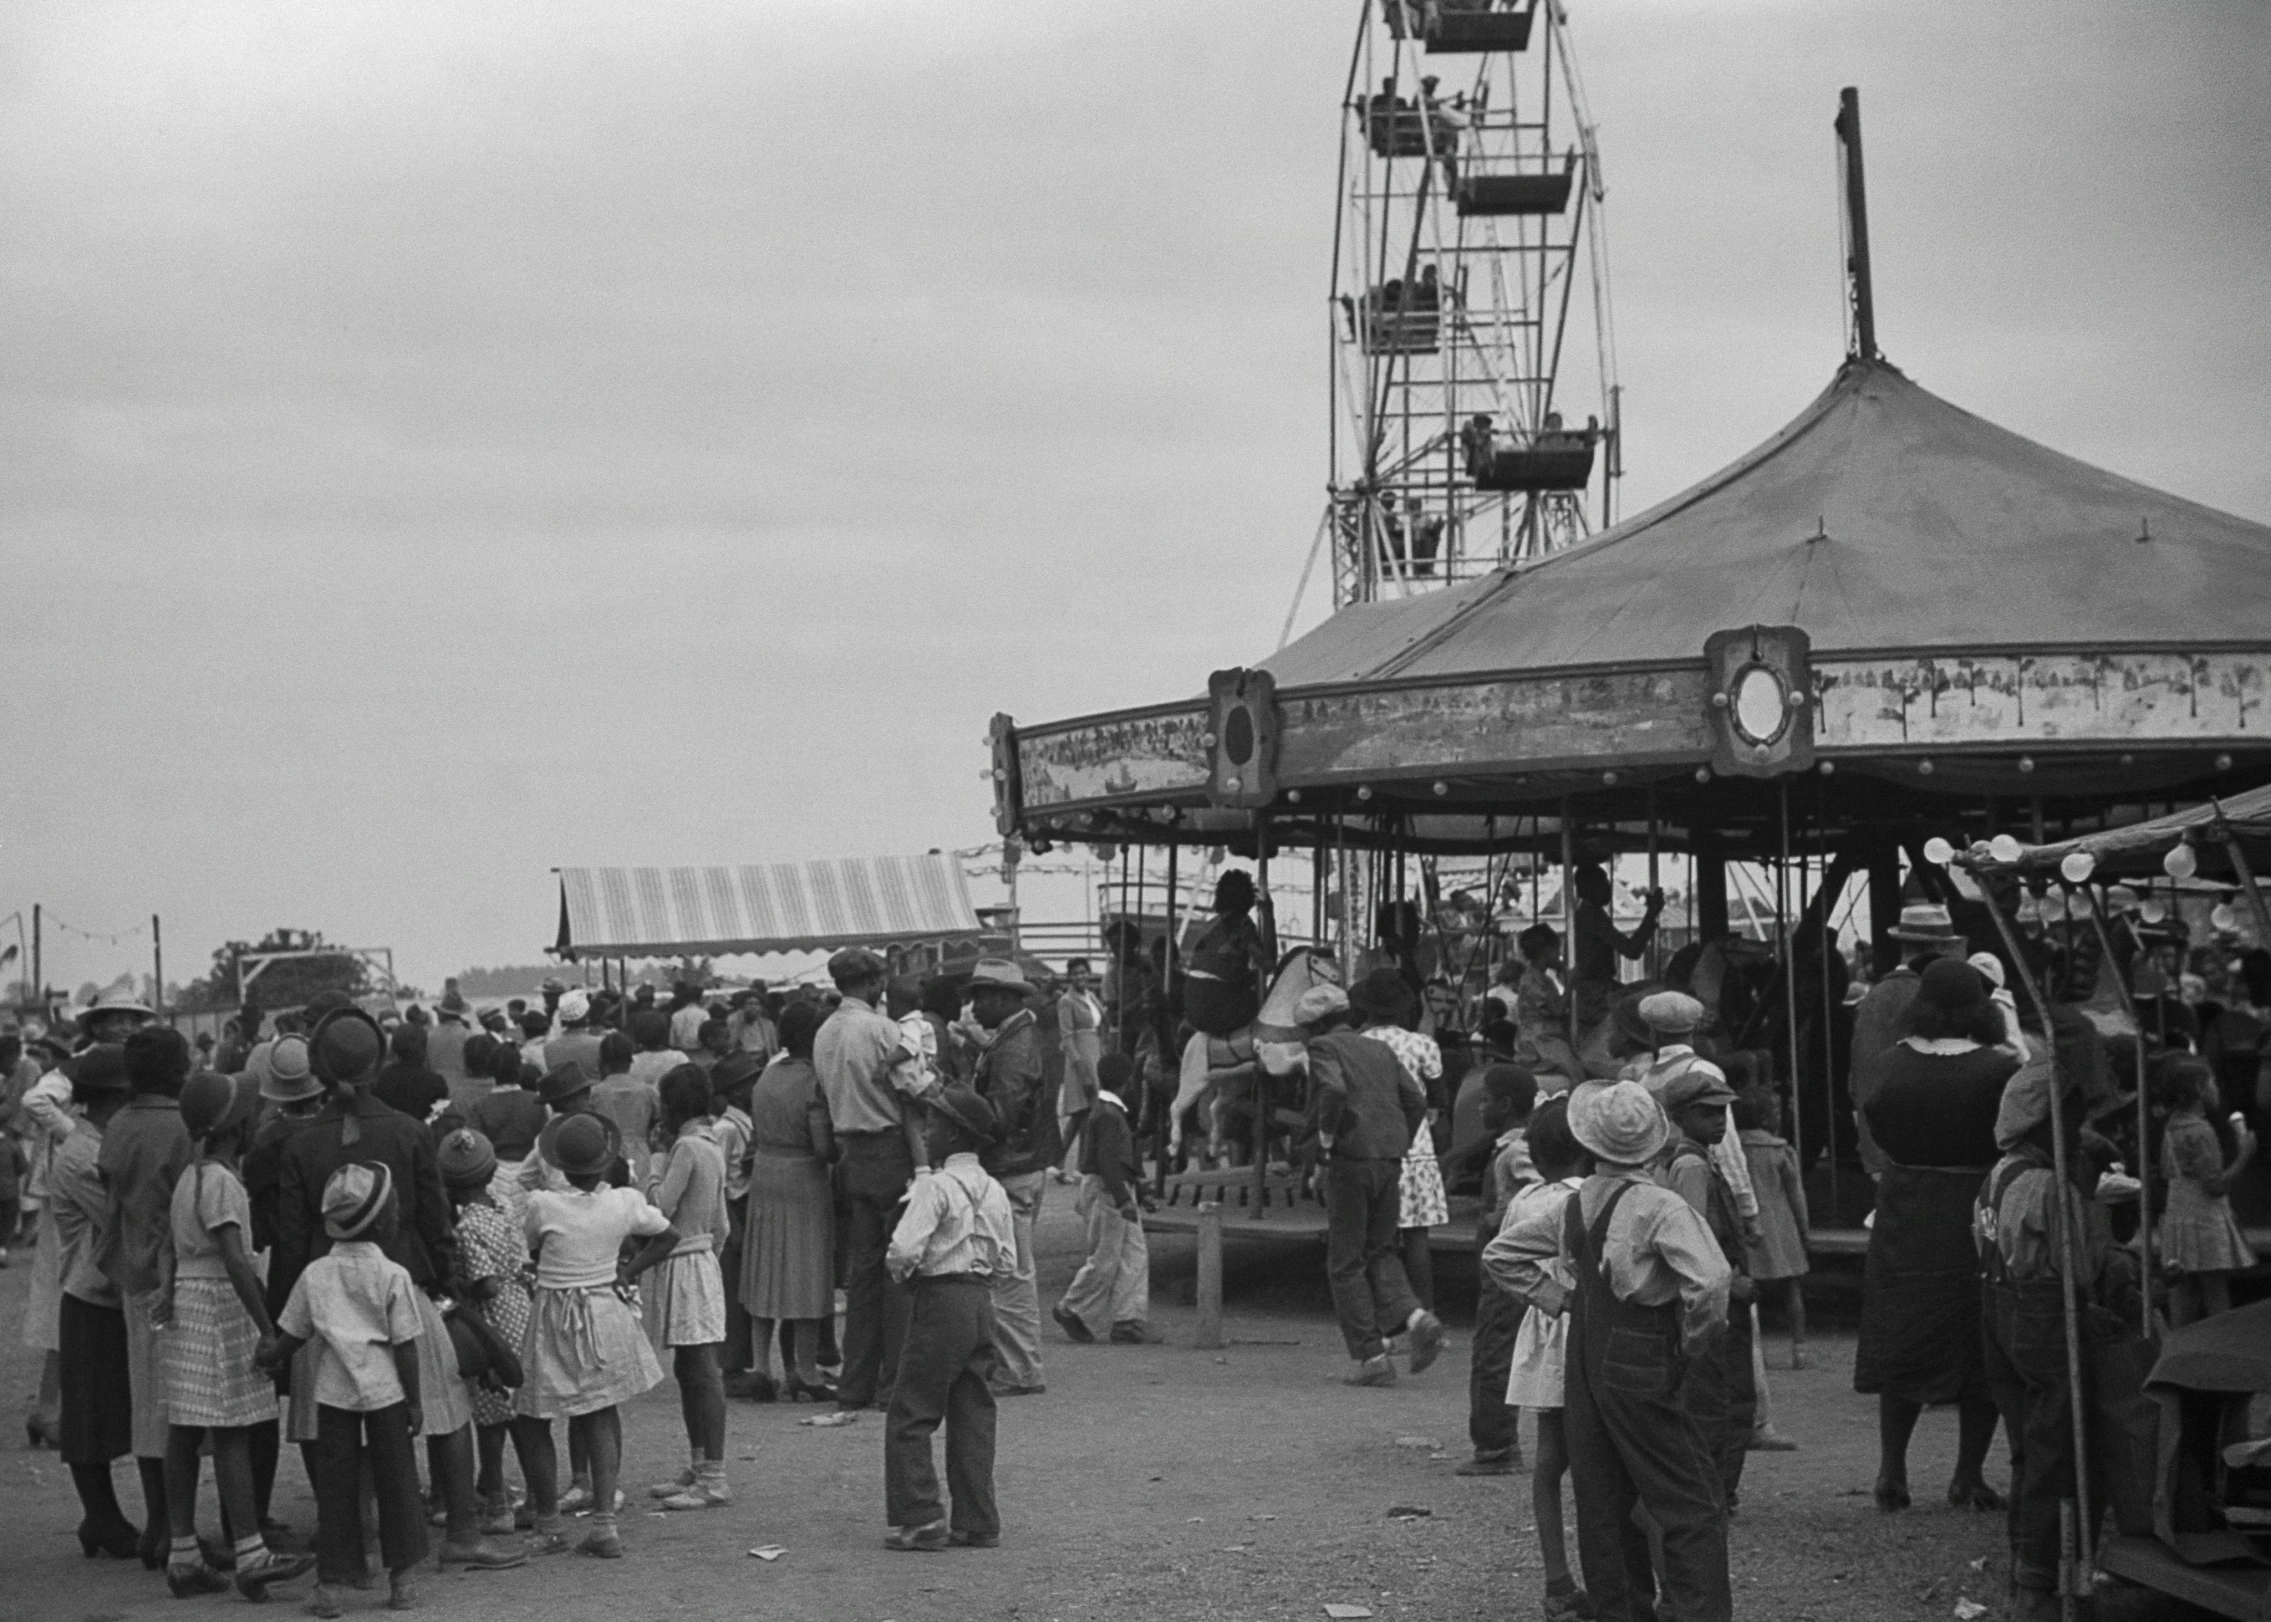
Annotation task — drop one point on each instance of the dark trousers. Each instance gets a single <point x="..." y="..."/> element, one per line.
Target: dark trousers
<point x="1371" y="1296"/>
<point x="1498" y="1319"/>
<point x="738" y="1330"/>
<point x="943" y="1375"/>
<point x="1719" y="1393"/>
<point x="343" y="1439"/>
<point x="1632" y="1441"/>
<point x="871" y="1185"/>
<point x="2026" y="1371"/>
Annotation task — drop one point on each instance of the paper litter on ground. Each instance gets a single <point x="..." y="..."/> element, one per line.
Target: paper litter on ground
<point x="768" y="1551"/>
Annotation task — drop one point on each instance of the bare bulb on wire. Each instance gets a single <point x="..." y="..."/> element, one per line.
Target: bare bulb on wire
<point x="2077" y="867"/>
<point x="2181" y="862"/>
<point x="1938" y="851"/>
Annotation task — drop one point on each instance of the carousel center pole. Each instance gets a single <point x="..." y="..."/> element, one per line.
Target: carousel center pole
<point x="2144" y="1105"/>
<point x="1269" y="950"/>
<point x="2073" y="1581"/>
<point x="1159" y="1121"/>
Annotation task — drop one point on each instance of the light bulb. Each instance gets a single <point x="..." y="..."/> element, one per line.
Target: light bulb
<point x="2222" y="918"/>
<point x="1938" y="851"/>
<point x="2004" y="848"/>
<point x="2077" y="867"/>
<point x="2152" y="911"/>
<point x="2078" y="904"/>
<point x="2181" y="862"/>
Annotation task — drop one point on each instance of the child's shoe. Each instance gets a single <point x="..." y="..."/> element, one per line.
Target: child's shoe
<point x="549" y="1536"/>
<point x="497" y="1519"/>
<point x="324" y="1601"/>
<point x="577" y="1498"/>
<point x="673" y="1487"/>
<point x="917" y="1539"/>
<point x="1372" y="1371"/>
<point x="1501" y="1463"/>
<point x="1426" y="1339"/>
<point x="708" y="1490"/>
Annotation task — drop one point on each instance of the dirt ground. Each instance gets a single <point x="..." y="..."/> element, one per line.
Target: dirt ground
<point x="1154" y="1482"/>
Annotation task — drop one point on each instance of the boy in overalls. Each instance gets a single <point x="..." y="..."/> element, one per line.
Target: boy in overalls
<point x="1651" y="1294"/>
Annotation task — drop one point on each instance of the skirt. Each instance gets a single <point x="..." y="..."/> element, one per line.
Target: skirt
<point x="788" y="1254"/>
<point x="443" y="1395"/>
<point x="1922" y="1337"/>
<point x="506" y="1313"/>
<point x="45" y="1298"/>
<point x="1534" y="1379"/>
<point x="684" y="1301"/>
<point x="2198" y="1233"/>
<point x="583" y="1352"/>
<point x="98" y="1404"/>
<point x="207" y="1353"/>
<point x="1420" y="1200"/>
<point x="146" y="1372"/>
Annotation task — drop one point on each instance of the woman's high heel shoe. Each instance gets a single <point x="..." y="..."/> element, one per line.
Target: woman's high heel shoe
<point x="121" y="1542"/>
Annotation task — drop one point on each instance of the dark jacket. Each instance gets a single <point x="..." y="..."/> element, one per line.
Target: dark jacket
<point x="1366" y="1101"/>
<point x="1013" y="1077"/>
<point x="145" y="1150"/>
<point x="1108" y="1150"/>
<point x="425" y="1240"/>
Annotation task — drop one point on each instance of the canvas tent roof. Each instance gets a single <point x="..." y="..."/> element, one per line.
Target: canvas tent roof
<point x="1851" y="522"/>
<point x="775" y="907"/>
<point x="2137" y="847"/>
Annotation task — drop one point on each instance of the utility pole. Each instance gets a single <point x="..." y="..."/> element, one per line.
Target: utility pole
<point x="157" y="969"/>
<point x="39" y="975"/>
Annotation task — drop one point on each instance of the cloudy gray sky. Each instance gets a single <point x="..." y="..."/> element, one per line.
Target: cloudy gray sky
<point x="442" y="442"/>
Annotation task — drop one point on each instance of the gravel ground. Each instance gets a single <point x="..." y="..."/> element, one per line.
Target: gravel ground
<point x="1156" y="1482"/>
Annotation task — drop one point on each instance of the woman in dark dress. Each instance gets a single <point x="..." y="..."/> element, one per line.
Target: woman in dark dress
<point x="788" y="1259"/>
<point x="1223" y="982"/>
<point x="1933" y="1114"/>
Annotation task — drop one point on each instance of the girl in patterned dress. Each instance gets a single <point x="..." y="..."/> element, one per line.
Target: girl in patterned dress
<point x="213" y="1317"/>
<point x="2201" y="1243"/>
<point x="686" y="1306"/>
<point x="1391" y="1009"/>
<point x="493" y="1265"/>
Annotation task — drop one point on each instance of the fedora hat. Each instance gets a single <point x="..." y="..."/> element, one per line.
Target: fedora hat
<point x="354" y="1198"/>
<point x="735" y="1070"/>
<point x="1002" y="974"/>
<point x="345" y="1046"/>
<point x="969" y="1112"/>
<point x="101" y="1069"/>
<point x="1618" y="1121"/>
<point x="1926" y="921"/>
<point x="1383" y="994"/>
<point x="288" y="1077"/>
<point x="468" y="1160"/>
<point x="580" y="1145"/>
<point x="562" y="1082"/>
<point x="212" y="1102"/>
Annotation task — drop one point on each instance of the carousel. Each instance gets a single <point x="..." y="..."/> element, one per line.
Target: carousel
<point x="1894" y="632"/>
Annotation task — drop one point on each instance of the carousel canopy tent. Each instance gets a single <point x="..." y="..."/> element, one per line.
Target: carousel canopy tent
<point x="2139" y="848"/>
<point x="1882" y="519"/>
<point x="777" y="907"/>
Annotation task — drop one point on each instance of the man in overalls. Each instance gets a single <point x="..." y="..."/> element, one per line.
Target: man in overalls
<point x="1719" y="1391"/>
<point x="2020" y="1265"/>
<point x="1651" y="1294"/>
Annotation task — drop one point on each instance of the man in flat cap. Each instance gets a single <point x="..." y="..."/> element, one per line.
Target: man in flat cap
<point x="882" y="1140"/>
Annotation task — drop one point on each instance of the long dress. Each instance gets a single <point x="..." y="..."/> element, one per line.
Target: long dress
<point x="1933" y="1116"/>
<point x="788" y="1267"/>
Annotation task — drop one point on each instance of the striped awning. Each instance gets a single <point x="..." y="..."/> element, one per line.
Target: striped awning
<point x="776" y="907"/>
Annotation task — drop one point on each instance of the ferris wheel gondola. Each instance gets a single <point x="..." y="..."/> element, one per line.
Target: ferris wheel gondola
<point x="1469" y="270"/>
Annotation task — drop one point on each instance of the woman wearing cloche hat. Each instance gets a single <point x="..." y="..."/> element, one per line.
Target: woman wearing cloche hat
<point x="1651" y="1292"/>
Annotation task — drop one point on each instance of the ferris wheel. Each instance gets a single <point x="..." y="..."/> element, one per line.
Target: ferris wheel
<point x="1475" y="401"/>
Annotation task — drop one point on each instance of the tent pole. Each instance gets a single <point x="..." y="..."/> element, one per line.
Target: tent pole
<point x="1790" y="974"/>
<point x="2246" y="876"/>
<point x="1655" y="936"/>
<point x="1269" y="950"/>
<point x="1167" y="994"/>
<point x="2063" y="1237"/>
<point x="1569" y="927"/>
<point x="2144" y="1107"/>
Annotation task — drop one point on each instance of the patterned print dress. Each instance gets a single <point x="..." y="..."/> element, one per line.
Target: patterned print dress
<point x="490" y="1246"/>
<point x="206" y="1352"/>
<point x="1421" y="1199"/>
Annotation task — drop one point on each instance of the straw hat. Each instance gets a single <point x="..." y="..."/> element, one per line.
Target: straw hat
<point x="999" y="973"/>
<point x="118" y="1002"/>
<point x="355" y="1197"/>
<point x="1618" y="1121"/>
<point x="575" y="1008"/>
<point x="1924" y="921"/>
<point x="286" y="1075"/>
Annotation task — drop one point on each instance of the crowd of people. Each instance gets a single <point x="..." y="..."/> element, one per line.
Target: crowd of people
<point x="466" y="1227"/>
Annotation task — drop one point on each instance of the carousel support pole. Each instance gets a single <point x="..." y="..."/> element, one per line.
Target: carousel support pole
<point x="1320" y="877"/>
<point x="2244" y="872"/>
<point x="2074" y="1575"/>
<point x="1710" y="888"/>
<point x="1884" y="909"/>
<point x="1569" y="922"/>
<point x="2144" y="1105"/>
<point x="1170" y="1064"/>
<point x="1790" y="975"/>
<point x="1655" y="937"/>
<point x="1269" y="950"/>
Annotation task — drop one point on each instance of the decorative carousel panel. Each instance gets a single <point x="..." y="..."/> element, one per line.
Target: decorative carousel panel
<point x="1525" y="723"/>
<point x="2147" y="698"/>
<point x="1113" y="758"/>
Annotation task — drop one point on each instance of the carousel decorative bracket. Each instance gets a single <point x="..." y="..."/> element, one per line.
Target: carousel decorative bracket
<point x="1241" y="738"/>
<point x="1761" y="708"/>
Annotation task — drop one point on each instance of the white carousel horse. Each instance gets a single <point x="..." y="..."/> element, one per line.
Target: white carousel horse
<point x="1273" y="1046"/>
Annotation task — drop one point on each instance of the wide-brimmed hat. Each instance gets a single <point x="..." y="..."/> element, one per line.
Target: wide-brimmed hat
<point x="354" y="1198"/>
<point x="101" y="1069"/>
<point x="562" y="1082"/>
<point x="118" y="1002"/>
<point x="1318" y="1004"/>
<point x="1383" y="994"/>
<point x="212" y="1102"/>
<point x="735" y="1070"/>
<point x="468" y="1160"/>
<point x="2026" y="1100"/>
<point x="1618" y="1121"/>
<point x="1924" y="921"/>
<point x="580" y="1145"/>
<point x="575" y="1008"/>
<point x="345" y="1046"/>
<point x="1001" y="973"/>
<point x="287" y="1076"/>
<point x="1671" y="1013"/>
<point x="969" y="1112"/>
<point x="855" y="964"/>
<point x="1701" y="1082"/>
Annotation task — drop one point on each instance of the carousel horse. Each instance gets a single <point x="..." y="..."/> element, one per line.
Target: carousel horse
<point x="1217" y="1069"/>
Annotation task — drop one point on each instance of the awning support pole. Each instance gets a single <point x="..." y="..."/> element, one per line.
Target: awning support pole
<point x="1269" y="950"/>
<point x="2144" y="1106"/>
<point x="2073" y="1579"/>
<point x="1169" y="1063"/>
<point x="2246" y="876"/>
<point x="1790" y="977"/>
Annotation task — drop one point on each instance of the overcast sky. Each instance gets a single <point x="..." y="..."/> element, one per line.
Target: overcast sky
<point x="441" y="442"/>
